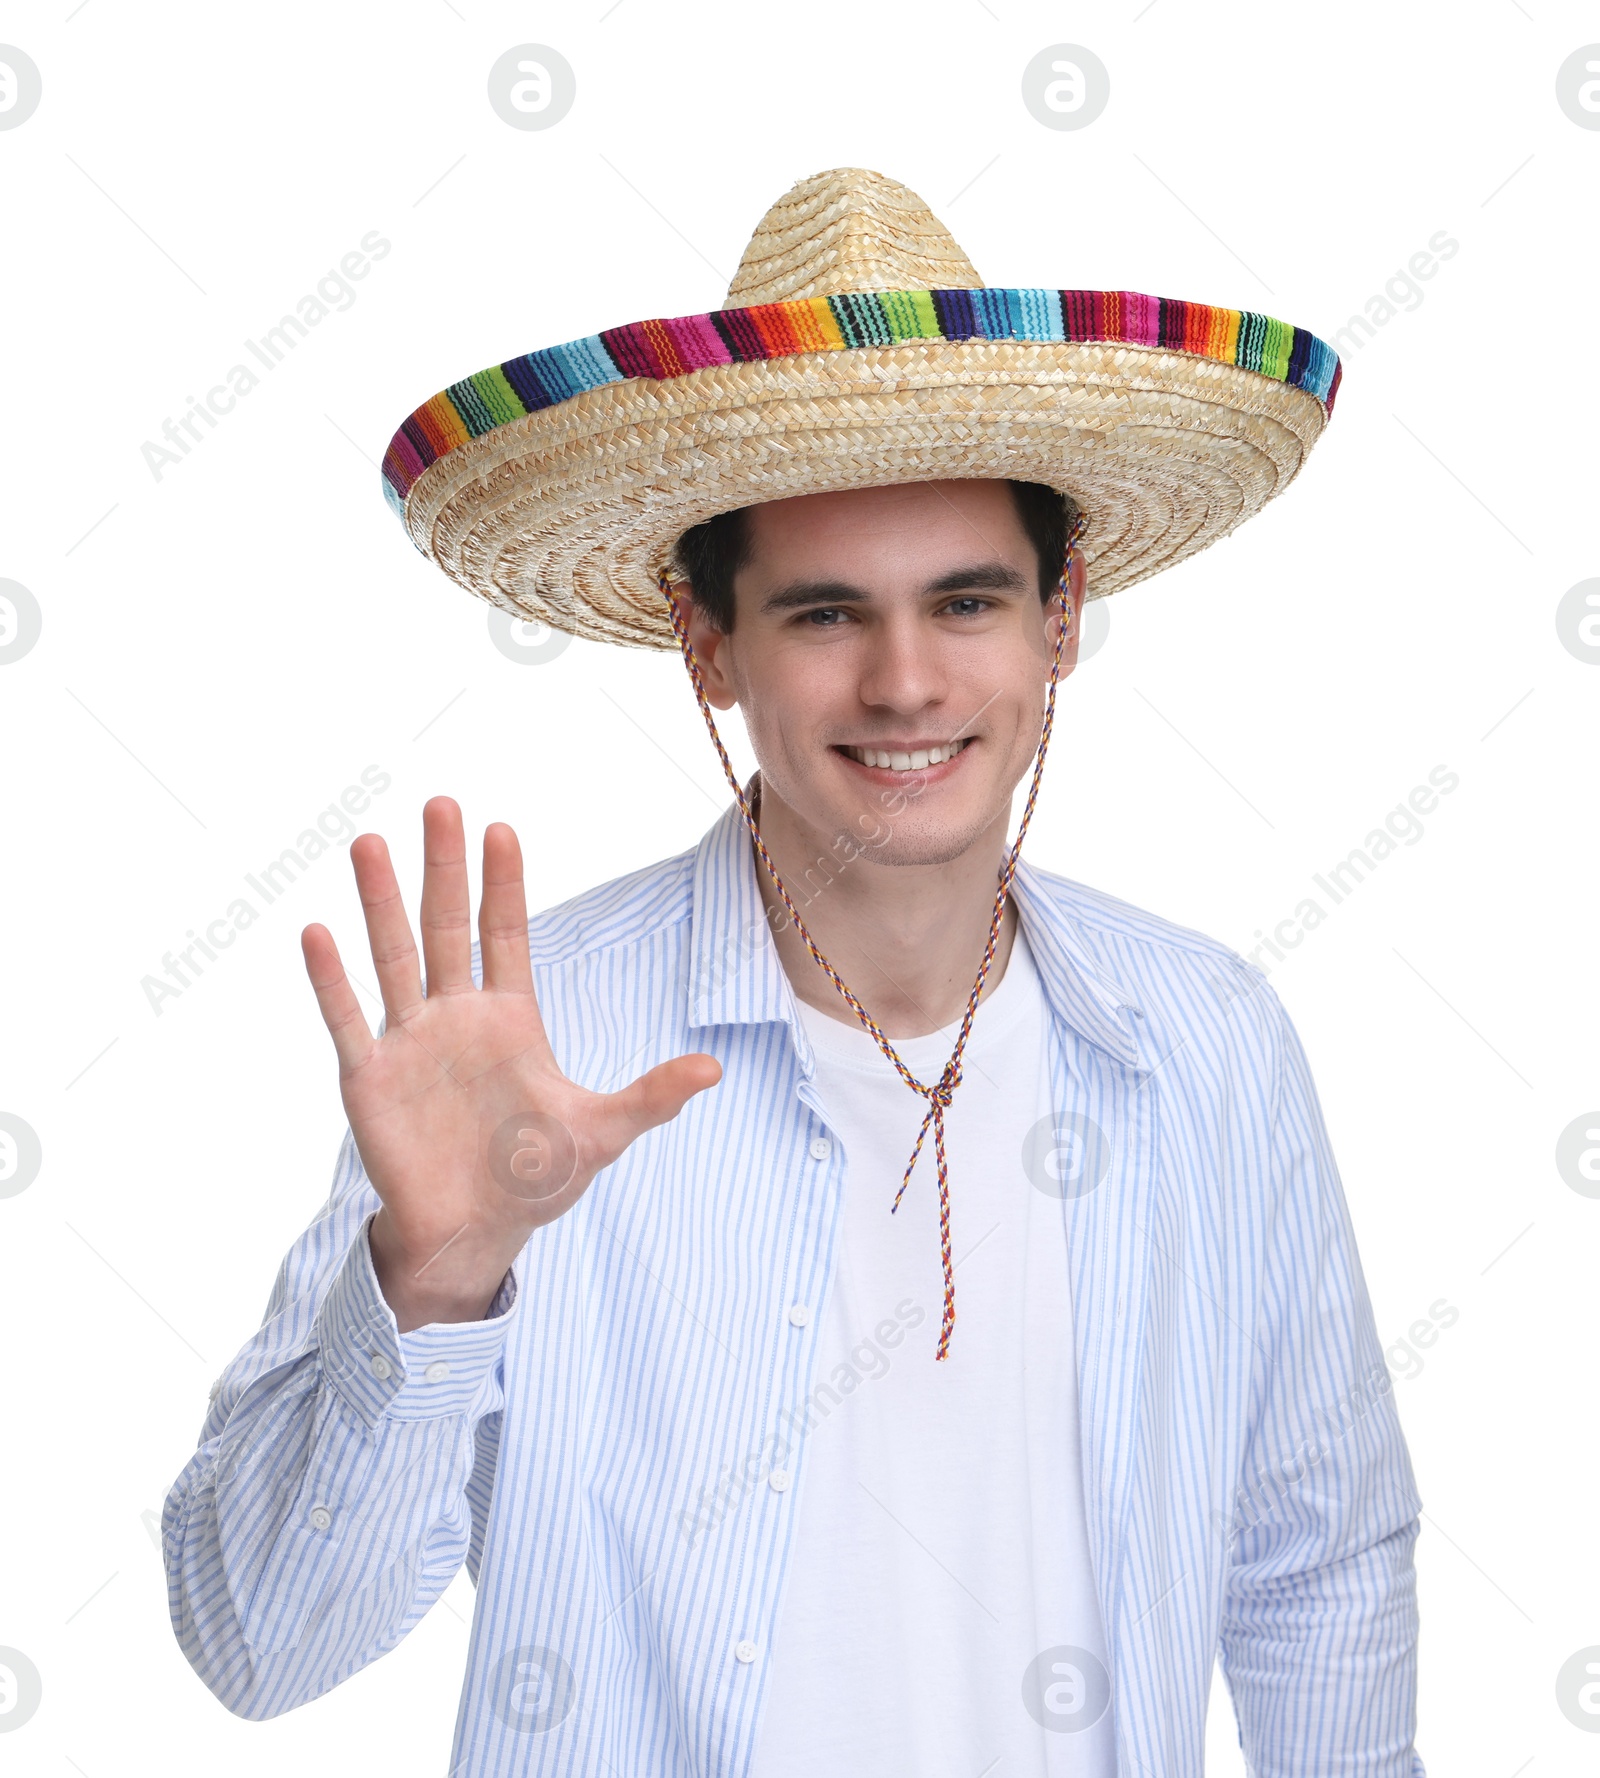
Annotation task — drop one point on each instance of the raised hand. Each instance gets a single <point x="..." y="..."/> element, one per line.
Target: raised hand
<point x="469" y="1131"/>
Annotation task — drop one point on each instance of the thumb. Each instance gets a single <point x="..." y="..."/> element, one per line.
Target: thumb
<point x="658" y="1095"/>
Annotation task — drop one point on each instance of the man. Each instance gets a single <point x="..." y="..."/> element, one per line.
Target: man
<point x="637" y="1286"/>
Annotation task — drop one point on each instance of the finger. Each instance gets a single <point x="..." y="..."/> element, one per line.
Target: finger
<point x="394" y="954"/>
<point x="341" y="1011"/>
<point x="446" y="898"/>
<point x="656" y="1097"/>
<point x="503" y="913"/>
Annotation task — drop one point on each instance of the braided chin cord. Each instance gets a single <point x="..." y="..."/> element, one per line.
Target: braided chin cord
<point x="942" y="1091"/>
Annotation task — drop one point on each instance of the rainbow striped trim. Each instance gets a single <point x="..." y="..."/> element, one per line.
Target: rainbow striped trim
<point x="665" y="349"/>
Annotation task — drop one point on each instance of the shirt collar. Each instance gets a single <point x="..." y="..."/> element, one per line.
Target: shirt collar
<point x="736" y="977"/>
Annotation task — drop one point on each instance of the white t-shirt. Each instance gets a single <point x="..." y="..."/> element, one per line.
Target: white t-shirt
<point x="941" y="1608"/>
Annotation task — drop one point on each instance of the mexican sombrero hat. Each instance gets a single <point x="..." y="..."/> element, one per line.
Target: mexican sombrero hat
<point x="857" y="347"/>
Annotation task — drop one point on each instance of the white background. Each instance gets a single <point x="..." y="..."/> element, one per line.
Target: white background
<point x="226" y="648"/>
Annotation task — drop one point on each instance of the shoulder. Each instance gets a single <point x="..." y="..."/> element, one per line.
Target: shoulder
<point x="1115" y="931"/>
<point x="1191" y="989"/>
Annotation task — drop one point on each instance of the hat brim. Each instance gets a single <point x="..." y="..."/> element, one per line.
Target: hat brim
<point x="555" y="486"/>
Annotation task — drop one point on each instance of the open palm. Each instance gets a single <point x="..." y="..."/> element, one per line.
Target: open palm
<point x="469" y="1131"/>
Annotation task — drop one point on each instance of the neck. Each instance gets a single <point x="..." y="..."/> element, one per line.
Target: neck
<point x="907" y="939"/>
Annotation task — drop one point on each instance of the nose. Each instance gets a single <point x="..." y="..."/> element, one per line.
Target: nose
<point x="902" y="666"/>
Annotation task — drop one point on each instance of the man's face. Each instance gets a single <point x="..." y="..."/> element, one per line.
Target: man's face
<point x="899" y="621"/>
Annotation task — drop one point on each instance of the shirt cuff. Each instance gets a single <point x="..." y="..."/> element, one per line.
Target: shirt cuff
<point x="432" y="1371"/>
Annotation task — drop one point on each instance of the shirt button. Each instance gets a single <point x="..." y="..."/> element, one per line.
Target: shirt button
<point x="321" y="1517"/>
<point x="799" y="1314"/>
<point x="381" y="1367"/>
<point x="778" y="1480"/>
<point x="821" y="1148"/>
<point x="744" y="1651"/>
<point x="437" y="1371"/>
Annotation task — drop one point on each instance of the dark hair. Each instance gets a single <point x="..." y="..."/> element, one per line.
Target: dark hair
<point x="710" y="554"/>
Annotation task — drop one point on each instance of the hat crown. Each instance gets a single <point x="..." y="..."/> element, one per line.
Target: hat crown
<point x="848" y="229"/>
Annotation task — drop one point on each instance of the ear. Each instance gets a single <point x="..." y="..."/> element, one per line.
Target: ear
<point x="1078" y="580"/>
<point x="710" y="647"/>
<point x="1077" y="586"/>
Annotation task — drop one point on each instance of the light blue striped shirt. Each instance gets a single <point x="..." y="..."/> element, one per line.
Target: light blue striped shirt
<point x="589" y="1448"/>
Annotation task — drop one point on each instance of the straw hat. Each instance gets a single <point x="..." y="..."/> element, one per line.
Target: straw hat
<point x="858" y="346"/>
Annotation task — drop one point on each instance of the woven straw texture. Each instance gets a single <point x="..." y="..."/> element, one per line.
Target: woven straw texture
<point x="848" y="230"/>
<point x="567" y="514"/>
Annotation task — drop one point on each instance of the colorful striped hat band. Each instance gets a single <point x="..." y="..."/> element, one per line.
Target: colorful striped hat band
<point x="941" y="1092"/>
<point x="674" y="347"/>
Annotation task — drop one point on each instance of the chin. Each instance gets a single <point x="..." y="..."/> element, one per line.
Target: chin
<point x="931" y="845"/>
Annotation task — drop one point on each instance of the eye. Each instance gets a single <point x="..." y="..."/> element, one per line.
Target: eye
<point x="974" y="606"/>
<point x="823" y="611"/>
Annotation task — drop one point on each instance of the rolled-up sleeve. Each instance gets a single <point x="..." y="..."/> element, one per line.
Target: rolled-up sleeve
<point x="1319" y="1631"/>
<point x="331" y="1498"/>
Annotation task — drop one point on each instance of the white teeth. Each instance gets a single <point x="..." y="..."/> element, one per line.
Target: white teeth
<point x="906" y="762"/>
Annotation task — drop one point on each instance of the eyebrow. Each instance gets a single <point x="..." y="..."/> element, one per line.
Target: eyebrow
<point x="979" y="576"/>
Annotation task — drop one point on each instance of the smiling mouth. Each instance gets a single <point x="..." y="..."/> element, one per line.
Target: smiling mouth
<point x="913" y="760"/>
